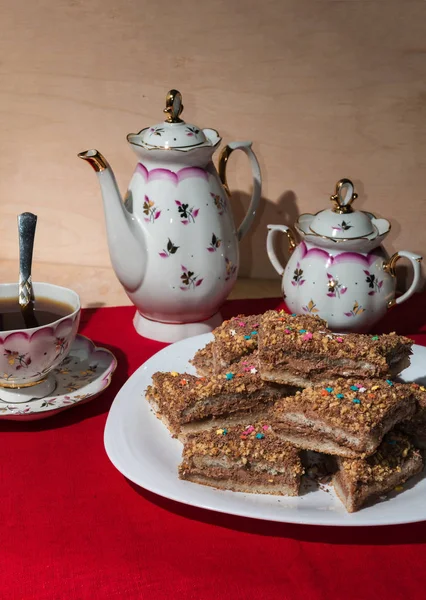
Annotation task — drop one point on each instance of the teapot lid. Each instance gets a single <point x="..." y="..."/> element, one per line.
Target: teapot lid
<point x="342" y="222"/>
<point x="174" y="133"/>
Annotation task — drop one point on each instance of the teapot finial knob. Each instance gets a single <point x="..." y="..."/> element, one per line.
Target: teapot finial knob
<point x="174" y="106"/>
<point x="343" y="196"/>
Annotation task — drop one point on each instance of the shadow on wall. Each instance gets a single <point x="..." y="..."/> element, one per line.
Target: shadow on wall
<point x="254" y="261"/>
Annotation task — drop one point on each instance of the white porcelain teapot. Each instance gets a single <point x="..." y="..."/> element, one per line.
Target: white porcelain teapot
<point x="340" y="271"/>
<point x="173" y="243"/>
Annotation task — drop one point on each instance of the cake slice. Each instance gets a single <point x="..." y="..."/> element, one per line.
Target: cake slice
<point x="248" y="459"/>
<point x="203" y="361"/>
<point x="186" y="403"/>
<point x="346" y="417"/>
<point x="234" y="339"/>
<point x="299" y="350"/>
<point x="357" y="481"/>
<point x="415" y="427"/>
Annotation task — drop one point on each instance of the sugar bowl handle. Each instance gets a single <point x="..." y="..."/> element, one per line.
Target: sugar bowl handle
<point x="389" y="267"/>
<point x="257" y="181"/>
<point x="273" y="230"/>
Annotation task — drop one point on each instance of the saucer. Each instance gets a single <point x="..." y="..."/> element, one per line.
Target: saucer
<point x="81" y="376"/>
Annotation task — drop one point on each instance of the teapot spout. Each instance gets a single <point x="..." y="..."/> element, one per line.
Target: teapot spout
<point x="124" y="236"/>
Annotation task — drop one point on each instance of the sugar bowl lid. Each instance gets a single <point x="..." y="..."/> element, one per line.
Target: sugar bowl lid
<point x="174" y="133"/>
<point x="342" y="222"/>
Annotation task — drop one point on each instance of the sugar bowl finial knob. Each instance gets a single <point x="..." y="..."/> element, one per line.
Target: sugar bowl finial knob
<point x="343" y="197"/>
<point x="174" y="106"/>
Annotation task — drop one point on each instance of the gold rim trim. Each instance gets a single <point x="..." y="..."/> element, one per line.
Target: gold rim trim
<point x="174" y="107"/>
<point x="341" y="206"/>
<point x="95" y="159"/>
<point x="336" y="240"/>
<point x="222" y="163"/>
<point x="292" y="244"/>
<point x="18" y="386"/>
<point x="389" y="266"/>
<point x="177" y="148"/>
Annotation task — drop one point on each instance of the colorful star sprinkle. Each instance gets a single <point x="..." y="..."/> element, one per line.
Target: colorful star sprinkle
<point x="233" y="332"/>
<point x="229" y="376"/>
<point x="248" y="429"/>
<point x="339" y="339"/>
<point x="362" y="390"/>
<point x="265" y="427"/>
<point x="221" y="431"/>
<point x="174" y="374"/>
<point x="375" y="338"/>
<point x="246" y="337"/>
<point x="340" y="396"/>
<point x="287" y="331"/>
<point x="308" y="336"/>
<point x="329" y="389"/>
<point x="260" y="436"/>
<point x="354" y="388"/>
<point x="356" y="401"/>
<point x="253" y="333"/>
<point x="241" y="324"/>
<point x="389" y="382"/>
<point x="253" y="370"/>
<point x="294" y="315"/>
<point x="302" y="330"/>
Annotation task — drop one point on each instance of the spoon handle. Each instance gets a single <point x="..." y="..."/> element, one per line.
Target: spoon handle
<point x="26" y="227"/>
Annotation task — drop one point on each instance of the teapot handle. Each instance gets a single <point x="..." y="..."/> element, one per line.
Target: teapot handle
<point x="389" y="267"/>
<point x="272" y="234"/>
<point x="257" y="181"/>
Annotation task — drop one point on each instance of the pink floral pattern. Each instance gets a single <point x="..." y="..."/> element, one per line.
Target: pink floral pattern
<point x="219" y="202"/>
<point x="189" y="279"/>
<point x="17" y="360"/>
<point x="373" y="283"/>
<point x="335" y="289"/>
<point x="169" y="249"/>
<point x="230" y="268"/>
<point x="150" y="210"/>
<point x="87" y="370"/>
<point x="214" y="244"/>
<point x="187" y="214"/>
<point x="297" y="276"/>
<point x="357" y="310"/>
<point x="311" y="307"/>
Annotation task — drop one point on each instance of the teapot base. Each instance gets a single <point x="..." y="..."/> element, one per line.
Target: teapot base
<point x="173" y="332"/>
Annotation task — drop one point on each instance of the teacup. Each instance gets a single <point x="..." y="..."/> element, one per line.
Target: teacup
<point x="28" y="356"/>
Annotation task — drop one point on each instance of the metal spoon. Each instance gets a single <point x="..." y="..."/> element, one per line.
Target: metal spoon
<point x="26" y="227"/>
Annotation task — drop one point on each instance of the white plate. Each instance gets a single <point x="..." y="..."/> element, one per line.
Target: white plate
<point x="141" y="448"/>
<point x="81" y="376"/>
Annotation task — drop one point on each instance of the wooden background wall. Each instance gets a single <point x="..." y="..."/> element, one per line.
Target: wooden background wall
<point x="325" y="89"/>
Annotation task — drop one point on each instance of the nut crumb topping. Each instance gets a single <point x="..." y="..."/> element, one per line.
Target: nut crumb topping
<point x="353" y="405"/>
<point x="304" y="336"/>
<point x="393" y="452"/>
<point x="246" y="444"/>
<point x="235" y="338"/>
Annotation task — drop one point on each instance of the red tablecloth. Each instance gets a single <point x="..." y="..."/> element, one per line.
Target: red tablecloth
<point x="72" y="527"/>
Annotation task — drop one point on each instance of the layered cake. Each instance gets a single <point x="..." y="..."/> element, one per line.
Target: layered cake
<point x="347" y="417"/>
<point x="203" y="361"/>
<point x="357" y="481"/>
<point x="248" y="459"/>
<point x="235" y="338"/>
<point x="186" y="403"/>
<point x="300" y="350"/>
<point x="415" y="427"/>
